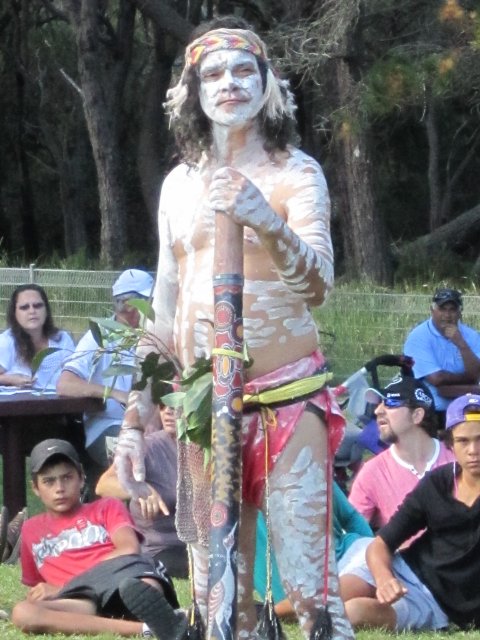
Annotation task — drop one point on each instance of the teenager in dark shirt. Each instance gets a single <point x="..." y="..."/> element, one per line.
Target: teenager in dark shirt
<point x="435" y="581"/>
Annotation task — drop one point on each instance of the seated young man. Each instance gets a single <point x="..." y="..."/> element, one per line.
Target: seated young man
<point x="75" y="556"/>
<point x="406" y="422"/>
<point x="435" y="581"/>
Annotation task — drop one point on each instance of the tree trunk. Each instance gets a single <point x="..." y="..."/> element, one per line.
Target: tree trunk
<point x="362" y="227"/>
<point x="170" y="31"/>
<point x="452" y="179"/>
<point x="166" y="18"/>
<point x="69" y="147"/>
<point x="154" y="138"/>
<point x="431" y="127"/>
<point x="457" y="235"/>
<point x="74" y="190"/>
<point x="28" y="223"/>
<point x="102" y="78"/>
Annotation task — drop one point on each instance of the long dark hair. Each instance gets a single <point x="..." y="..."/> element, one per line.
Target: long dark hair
<point x="23" y="342"/>
<point x="193" y="133"/>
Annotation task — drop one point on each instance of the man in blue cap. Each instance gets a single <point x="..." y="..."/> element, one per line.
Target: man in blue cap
<point x="435" y="581"/>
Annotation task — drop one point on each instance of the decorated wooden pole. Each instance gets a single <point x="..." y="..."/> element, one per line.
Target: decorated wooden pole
<point x="227" y="405"/>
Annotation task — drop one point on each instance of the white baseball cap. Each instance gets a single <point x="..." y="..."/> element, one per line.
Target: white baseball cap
<point x="133" y="281"/>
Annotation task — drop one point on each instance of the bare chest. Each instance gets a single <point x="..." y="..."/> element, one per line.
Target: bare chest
<point x="192" y="220"/>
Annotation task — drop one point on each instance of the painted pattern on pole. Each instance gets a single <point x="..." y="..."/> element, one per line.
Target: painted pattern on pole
<point x="226" y="450"/>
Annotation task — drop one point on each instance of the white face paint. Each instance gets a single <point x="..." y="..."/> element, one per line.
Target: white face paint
<point x="231" y="91"/>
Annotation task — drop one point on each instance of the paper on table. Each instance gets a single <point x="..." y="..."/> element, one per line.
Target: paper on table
<point x="10" y="391"/>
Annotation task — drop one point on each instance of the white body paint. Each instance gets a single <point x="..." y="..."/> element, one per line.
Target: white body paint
<point x="231" y="90"/>
<point x="276" y="304"/>
<point x="281" y="200"/>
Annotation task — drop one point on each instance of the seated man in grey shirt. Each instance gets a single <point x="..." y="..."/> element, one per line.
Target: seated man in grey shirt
<point x="154" y="514"/>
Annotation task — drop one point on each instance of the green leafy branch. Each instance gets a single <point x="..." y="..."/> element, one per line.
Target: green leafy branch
<point x="161" y="371"/>
<point x="193" y="401"/>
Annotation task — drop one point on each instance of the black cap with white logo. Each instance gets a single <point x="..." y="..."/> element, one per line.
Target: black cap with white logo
<point x="407" y="389"/>
<point x="46" y="449"/>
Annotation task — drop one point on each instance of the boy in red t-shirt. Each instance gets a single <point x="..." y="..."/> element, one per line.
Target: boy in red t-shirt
<point x="75" y="556"/>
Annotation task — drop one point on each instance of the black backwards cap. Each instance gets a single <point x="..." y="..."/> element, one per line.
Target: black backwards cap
<point x="405" y="389"/>
<point x="443" y="295"/>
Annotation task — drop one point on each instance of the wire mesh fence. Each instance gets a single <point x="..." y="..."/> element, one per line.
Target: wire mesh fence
<point x="354" y="326"/>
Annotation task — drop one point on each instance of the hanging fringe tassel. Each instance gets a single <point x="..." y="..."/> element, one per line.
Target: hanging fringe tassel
<point x="323" y="627"/>
<point x="196" y="626"/>
<point x="269" y="626"/>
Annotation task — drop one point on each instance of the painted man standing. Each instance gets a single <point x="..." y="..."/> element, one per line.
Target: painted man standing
<point x="233" y="118"/>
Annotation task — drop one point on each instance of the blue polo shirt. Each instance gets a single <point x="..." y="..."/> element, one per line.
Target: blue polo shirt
<point x="433" y="352"/>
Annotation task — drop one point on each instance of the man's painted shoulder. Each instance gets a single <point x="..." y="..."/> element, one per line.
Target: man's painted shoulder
<point x="301" y="166"/>
<point x="296" y="155"/>
<point x="181" y="173"/>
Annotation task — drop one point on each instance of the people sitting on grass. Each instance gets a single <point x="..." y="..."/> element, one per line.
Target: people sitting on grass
<point x="154" y="514"/>
<point x="435" y="581"/>
<point x="31" y="329"/>
<point x="406" y="420"/>
<point x="77" y="558"/>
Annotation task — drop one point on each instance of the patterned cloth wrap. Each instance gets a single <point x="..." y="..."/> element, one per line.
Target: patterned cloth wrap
<point x="283" y="421"/>
<point x="193" y="506"/>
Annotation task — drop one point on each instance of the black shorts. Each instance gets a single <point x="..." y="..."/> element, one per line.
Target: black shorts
<point x="175" y="560"/>
<point x="100" y="584"/>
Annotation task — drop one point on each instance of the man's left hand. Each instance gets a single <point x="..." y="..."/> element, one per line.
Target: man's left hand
<point x="390" y="591"/>
<point x="130" y="461"/>
<point x="452" y="332"/>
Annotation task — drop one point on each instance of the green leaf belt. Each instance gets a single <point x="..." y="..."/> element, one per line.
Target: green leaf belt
<point x="287" y="393"/>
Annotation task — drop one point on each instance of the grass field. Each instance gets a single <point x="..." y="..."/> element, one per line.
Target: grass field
<point x="11" y="591"/>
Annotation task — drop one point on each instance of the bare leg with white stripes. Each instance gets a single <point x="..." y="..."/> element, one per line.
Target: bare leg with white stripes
<point x="298" y="520"/>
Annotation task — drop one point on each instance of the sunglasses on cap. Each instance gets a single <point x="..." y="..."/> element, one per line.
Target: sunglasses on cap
<point x="393" y="403"/>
